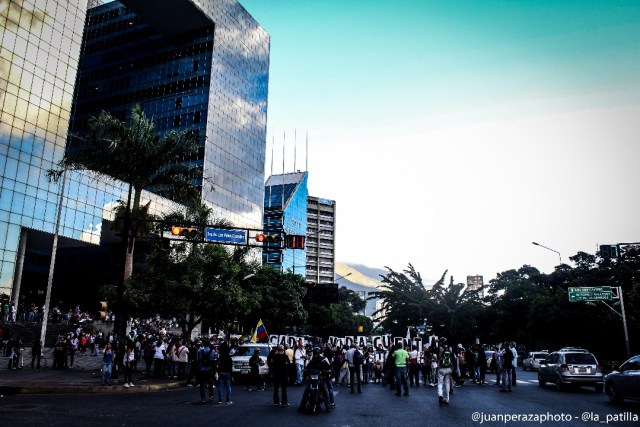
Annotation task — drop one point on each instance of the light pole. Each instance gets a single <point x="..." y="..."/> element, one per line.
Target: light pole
<point x="552" y="250"/>
<point x="618" y="295"/>
<point x="54" y="250"/>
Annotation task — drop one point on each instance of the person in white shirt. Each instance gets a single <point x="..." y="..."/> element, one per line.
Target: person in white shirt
<point x="181" y="358"/>
<point x="300" y="355"/>
<point x="512" y="346"/>
<point x="414" y="367"/>
<point x="160" y="351"/>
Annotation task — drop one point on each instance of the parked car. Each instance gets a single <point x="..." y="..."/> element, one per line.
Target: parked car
<point x="625" y="382"/>
<point x="564" y="368"/>
<point x="240" y="359"/>
<point x="533" y="360"/>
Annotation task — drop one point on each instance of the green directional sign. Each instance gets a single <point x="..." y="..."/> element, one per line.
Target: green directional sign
<point x="590" y="293"/>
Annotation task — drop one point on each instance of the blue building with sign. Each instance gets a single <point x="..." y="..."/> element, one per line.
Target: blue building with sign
<point x="285" y="211"/>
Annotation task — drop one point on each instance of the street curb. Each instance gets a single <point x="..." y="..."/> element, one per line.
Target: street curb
<point x="11" y="390"/>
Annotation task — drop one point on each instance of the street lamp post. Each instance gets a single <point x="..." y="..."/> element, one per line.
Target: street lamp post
<point x="552" y="250"/>
<point x="342" y="277"/>
<point x="54" y="250"/>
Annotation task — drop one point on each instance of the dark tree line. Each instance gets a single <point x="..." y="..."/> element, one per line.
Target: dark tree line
<point x="524" y="305"/>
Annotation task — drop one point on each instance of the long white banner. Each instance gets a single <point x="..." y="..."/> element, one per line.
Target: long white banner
<point x="378" y="342"/>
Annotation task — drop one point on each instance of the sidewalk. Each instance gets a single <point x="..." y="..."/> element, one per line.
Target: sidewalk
<point x="84" y="377"/>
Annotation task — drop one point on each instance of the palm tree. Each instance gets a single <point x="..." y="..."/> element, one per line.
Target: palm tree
<point x="133" y="153"/>
<point x="455" y="308"/>
<point x="404" y="300"/>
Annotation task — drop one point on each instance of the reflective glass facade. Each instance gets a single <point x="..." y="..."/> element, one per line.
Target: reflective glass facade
<point x="206" y="74"/>
<point x="39" y="61"/>
<point x="285" y="210"/>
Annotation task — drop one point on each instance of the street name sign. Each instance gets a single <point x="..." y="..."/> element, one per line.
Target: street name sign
<point x="590" y="293"/>
<point x="220" y="235"/>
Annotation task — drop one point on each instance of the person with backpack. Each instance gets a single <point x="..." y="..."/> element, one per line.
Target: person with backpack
<point x="445" y="365"/>
<point x="206" y="361"/>
<point x="355" y="359"/>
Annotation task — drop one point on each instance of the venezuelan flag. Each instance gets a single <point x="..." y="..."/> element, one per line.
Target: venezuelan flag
<point x="260" y="333"/>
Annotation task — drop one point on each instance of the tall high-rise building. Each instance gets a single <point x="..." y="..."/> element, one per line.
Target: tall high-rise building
<point x="475" y="283"/>
<point x="285" y="211"/>
<point x="320" y="243"/>
<point x="198" y="65"/>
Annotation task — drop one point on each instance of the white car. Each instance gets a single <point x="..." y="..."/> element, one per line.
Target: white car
<point x="533" y="360"/>
<point x="240" y="359"/>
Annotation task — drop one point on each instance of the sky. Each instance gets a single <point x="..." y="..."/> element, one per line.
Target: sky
<point x="453" y="134"/>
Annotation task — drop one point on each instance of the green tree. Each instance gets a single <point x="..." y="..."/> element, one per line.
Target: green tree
<point x="133" y="153"/>
<point x="274" y="297"/>
<point x="338" y="318"/>
<point x="404" y="300"/>
<point x="453" y="309"/>
<point x="193" y="281"/>
<point x="137" y="155"/>
<point x="515" y="298"/>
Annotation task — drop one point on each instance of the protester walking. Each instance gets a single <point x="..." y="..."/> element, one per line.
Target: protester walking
<point x="445" y="364"/>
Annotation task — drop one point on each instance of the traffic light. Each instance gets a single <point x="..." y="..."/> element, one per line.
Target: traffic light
<point x="293" y="241"/>
<point x="268" y="238"/>
<point x="189" y="232"/>
<point x="608" y="251"/>
<point x="104" y="307"/>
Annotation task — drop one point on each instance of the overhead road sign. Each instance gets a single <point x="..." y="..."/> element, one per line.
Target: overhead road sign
<point x="220" y="235"/>
<point x="590" y="293"/>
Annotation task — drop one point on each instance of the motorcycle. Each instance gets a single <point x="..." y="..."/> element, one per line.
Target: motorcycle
<point x="314" y="394"/>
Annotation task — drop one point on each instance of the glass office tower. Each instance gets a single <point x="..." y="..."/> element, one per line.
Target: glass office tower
<point x="285" y="210"/>
<point x="199" y="65"/>
<point x="38" y="62"/>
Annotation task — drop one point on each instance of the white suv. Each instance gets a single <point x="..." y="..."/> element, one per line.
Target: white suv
<point x="243" y="353"/>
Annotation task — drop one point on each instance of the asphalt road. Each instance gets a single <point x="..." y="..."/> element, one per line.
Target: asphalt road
<point x="471" y="405"/>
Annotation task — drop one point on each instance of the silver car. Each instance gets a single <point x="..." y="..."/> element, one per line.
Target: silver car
<point x="625" y="382"/>
<point x="534" y="359"/>
<point x="564" y="368"/>
<point x="240" y="359"/>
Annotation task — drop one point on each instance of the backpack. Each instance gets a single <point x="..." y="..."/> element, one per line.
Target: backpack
<point x="445" y="360"/>
<point x="508" y="358"/>
<point x="204" y="360"/>
<point x="358" y="358"/>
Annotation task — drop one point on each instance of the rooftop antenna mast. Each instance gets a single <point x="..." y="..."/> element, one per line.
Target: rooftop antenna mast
<point x="306" y="164"/>
<point x="282" y="177"/>
<point x="273" y="142"/>
<point x="295" y="146"/>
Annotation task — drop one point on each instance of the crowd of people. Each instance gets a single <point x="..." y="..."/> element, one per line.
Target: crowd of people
<point x="403" y="366"/>
<point x="152" y="348"/>
<point x="32" y="313"/>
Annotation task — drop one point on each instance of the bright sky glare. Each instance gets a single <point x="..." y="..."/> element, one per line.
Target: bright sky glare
<point x="452" y="134"/>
